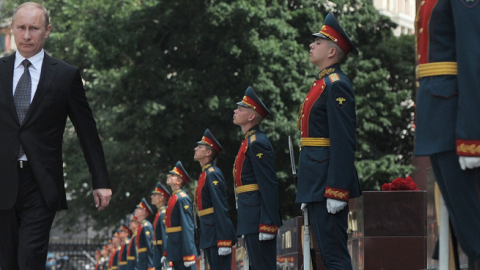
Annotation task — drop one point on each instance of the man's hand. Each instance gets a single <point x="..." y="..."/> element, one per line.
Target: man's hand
<point x="469" y="162"/>
<point x="265" y="236"/>
<point x="334" y="206"/>
<point x="188" y="264"/>
<point x="223" y="251"/>
<point x="102" y="197"/>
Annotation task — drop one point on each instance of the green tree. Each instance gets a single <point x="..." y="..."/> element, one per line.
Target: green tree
<point x="158" y="73"/>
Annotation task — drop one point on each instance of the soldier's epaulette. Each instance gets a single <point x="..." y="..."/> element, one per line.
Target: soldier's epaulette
<point x="211" y="169"/>
<point x="145" y="223"/>
<point x="252" y="138"/>
<point x="163" y="211"/>
<point x="334" y="77"/>
<point x="182" y="194"/>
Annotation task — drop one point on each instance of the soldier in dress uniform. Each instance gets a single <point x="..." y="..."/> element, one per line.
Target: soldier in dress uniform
<point x="98" y="259"/>
<point x="114" y="247"/>
<point x="132" y="246"/>
<point x="124" y="234"/>
<point x="159" y="198"/>
<point x="105" y="256"/>
<point x="179" y="224"/>
<point x="51" y="262"/>
<point x="256" y="184"/>
<point x="144" y="236"/>
<point x="448" y="98"/>
<point x="327" y="176"/>
<point x="217" y="232"/>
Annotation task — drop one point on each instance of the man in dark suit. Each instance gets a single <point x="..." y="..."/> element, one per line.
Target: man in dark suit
<point x="327" y="177"/>
<point x="36" y="96"/>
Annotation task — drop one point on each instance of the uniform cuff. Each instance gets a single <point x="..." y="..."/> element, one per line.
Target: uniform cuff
<point x="190" y="258"/>
<point x="268" y="229"/>
<point x="336" y="193"/>
<point x="469" y="148"/>
<point x="224" y="243"/>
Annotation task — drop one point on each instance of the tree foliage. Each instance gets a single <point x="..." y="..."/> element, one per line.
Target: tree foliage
<point x="159" y="72"/>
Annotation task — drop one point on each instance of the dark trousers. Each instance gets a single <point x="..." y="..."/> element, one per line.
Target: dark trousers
<point x="218" y="262"/>
<point x="178" y="265"/>
<point x="25" y="228"/>
<point x="461" y="193"/>
<point x="262" y="254"/>
<point x="331" y="234"/>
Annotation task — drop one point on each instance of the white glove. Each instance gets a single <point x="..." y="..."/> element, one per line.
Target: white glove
<point x="334" y="206"/>
<point x="265" y="236"/>
<point x="163" y="259"/>
<point x="469" y="162"/>
<point x="304" y="205"/>
<point x="188" y="264"/>
<point x="222" y="251"/>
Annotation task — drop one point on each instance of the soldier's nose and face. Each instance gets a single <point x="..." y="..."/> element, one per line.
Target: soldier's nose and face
<point x="200" y="152"/>
<point x="240" y="115"/>
<point x="318" y="51"/>
<point x="169" y="179"/>
<point x="155" y="198"/>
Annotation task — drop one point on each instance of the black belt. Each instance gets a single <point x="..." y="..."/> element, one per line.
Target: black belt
<point x="23" y="164"/>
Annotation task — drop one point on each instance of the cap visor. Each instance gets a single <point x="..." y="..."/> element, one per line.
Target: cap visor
<point x="242" y="104"/>
<point x="320" y="35"/>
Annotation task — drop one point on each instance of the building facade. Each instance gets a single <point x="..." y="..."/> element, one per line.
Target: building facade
<point x="402" y="12"/>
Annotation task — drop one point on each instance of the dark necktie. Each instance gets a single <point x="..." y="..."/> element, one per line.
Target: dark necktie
<point x="22" y="96"/>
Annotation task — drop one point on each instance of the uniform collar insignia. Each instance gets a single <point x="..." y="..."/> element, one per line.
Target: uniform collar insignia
<point x="325" y="72"/>
<point x="249" y="133"/>
<point x="206" y="166"/>
<point x="177" y="191"/>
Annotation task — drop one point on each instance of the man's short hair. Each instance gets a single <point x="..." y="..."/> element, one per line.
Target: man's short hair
<point x="258" y="117"/>
<point x="46" y="17"/>
<point x="340" y="55"/>
<point x="182" y="182"/>
<point x="214" y="153"/>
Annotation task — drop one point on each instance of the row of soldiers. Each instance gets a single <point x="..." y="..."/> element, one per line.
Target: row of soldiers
<point x="327" y="179"/>
<point x="171" y="238"/>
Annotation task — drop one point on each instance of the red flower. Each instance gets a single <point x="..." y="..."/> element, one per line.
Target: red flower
<point x="386" y="187"/>
<point x="400" y="184"/>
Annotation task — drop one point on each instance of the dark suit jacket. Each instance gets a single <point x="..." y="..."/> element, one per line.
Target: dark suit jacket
<point x="60" y="93"/>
